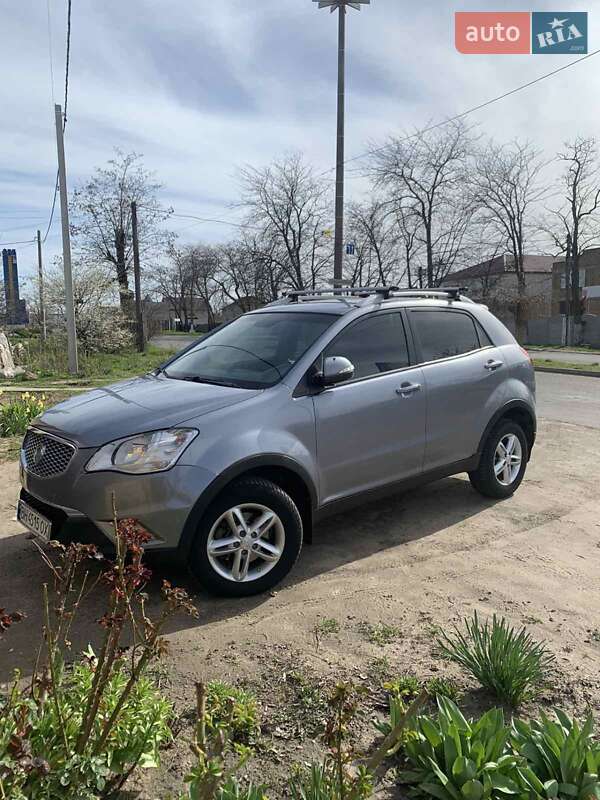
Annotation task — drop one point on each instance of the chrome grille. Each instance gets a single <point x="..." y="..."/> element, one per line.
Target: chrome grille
<point x="46" y="456"/>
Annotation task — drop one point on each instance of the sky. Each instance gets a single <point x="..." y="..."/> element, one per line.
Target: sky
<point x="201" y="88"/>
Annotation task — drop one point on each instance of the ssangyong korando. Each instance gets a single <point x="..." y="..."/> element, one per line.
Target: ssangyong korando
<point x="231" y="451"/>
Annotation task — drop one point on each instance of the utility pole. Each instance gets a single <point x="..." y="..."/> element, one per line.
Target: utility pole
<point x="41" y="288"/>
<point x="568" y="289"/>
<point x="66" y="242"/>
<point x="341" y="6"/>
<point x="137" y="278"/>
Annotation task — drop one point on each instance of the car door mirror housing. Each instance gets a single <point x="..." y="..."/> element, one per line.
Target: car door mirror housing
<point x="336" y="369"/>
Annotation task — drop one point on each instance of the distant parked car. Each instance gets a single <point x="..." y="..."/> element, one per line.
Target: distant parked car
<point x="230" y="452"/>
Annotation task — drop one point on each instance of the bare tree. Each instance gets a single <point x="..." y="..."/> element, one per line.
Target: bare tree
<point x="507" y="188"/>
<point x="371" y="227"/>
<point x="578" y="216"/>
<point x="101" y="215"/>
<point x="427" y="172"/>
<point x="288" y="205"/>
<point x="174" y="281"/>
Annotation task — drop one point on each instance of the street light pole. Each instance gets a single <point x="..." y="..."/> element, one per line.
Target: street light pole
<point x="341" y="6"/>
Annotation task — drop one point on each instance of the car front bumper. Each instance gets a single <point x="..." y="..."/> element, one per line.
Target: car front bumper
<point x="76" y="499"/>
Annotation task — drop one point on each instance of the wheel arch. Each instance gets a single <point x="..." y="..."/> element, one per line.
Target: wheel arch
<point x="519" y="412"/>
<point x="282" y="470"/>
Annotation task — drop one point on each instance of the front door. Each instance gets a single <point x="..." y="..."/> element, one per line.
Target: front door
<point x="371" y="429"/>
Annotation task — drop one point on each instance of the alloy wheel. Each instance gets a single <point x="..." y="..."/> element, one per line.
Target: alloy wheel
<point x="246" y="542"/>
<point x="507" y="459"/>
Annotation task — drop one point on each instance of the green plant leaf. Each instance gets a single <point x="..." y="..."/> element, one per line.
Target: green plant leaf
<point x="472" y="790"/>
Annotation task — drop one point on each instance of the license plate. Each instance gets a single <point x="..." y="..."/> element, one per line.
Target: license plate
<point x="36" y="522"/>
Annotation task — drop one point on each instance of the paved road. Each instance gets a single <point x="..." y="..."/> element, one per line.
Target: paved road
<point x="569" y="398"/>
<point x="568" y="356"/>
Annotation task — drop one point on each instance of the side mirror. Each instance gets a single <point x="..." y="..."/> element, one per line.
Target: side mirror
<point x="336" y="369"/>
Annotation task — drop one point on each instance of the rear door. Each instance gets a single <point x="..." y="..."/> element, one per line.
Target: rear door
<point x="465" y="379"/>
<point x="371" y="429"/>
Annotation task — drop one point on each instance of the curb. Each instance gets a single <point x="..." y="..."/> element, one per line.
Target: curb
<point x="558" y="371"/>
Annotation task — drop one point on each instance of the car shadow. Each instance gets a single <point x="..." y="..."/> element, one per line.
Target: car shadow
<point x="340" y="540"/>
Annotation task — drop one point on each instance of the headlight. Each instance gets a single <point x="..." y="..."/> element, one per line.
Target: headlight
<point x="147" y="452"/>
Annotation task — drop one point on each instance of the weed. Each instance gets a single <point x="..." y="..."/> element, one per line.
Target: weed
<point x="443" y="687"/>
<point x="380" y="668"/>
<point x="234" y="707"/>
<point x="508" y="663"/>
<point x="327" y="627"/>
<point x="380" y="633"/>
<point x="218" y="758"/>
<point x="406" y="687"/>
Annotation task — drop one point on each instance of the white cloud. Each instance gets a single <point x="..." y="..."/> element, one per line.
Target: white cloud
<point x="199" y="88"/>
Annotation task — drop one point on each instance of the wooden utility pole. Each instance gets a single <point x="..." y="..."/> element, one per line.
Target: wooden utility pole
<point x="141" y="342"/>
<point x="41" y="288"/>
<point x="66" y="242"/>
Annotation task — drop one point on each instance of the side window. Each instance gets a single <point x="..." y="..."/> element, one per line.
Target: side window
<point x="444" y="333"/>
<point x="374" y="345"/>
<point x="483" y="336"/>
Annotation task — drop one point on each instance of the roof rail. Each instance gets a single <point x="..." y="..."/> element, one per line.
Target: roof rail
<point x="376" y="292"/>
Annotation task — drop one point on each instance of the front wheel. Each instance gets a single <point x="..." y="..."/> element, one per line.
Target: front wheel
<point x="503" y="461"/>
<point x="248" y="540"/>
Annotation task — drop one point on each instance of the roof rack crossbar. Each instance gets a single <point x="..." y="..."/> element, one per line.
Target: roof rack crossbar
<point x="377" y="292"/>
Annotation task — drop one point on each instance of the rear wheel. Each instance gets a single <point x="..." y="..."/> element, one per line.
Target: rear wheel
<point x="248" y="540"/>
<point x="503" y="461"/>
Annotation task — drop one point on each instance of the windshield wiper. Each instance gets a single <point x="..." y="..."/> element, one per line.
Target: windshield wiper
<point x="210" y="381"/>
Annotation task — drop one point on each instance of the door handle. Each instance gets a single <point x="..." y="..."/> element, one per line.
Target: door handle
<point x="406" y="389"/>
<point x="493" y="365"/>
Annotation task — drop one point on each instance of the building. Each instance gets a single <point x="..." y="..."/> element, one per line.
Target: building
<point x="239" y="307"/>
<point x="494" y="282"/>
<point x="589" y="282"/>
<point x="167" y="315"/>
<point x="16" y="310"/>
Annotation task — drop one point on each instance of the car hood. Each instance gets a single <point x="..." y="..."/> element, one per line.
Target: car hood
<point x="135" y="406"/>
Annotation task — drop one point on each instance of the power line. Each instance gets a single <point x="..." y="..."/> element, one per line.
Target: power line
<point x="67" y="64"/>
<point x="50" y="56"/>
<point x="12" y="244"/>
<point x="467" y="112"/>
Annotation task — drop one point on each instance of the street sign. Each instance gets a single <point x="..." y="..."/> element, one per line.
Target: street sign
<point x="350" y="249"/>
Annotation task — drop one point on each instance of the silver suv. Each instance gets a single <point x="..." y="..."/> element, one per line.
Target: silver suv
<point x="231" y="451"/>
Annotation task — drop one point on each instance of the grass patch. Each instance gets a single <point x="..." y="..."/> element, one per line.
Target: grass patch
<point x="510" y="664"/>
<point x="327" y="627"/>
<point x="233" y="707"/>
<point x="96" y="369"/>
<point x="548" y="362"/>
<point x="380" y="633"/>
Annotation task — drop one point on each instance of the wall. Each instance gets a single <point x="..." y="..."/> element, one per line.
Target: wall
<point x="552" y="331"/>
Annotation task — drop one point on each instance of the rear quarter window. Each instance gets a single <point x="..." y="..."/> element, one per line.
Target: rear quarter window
<point x="443" y="334"/>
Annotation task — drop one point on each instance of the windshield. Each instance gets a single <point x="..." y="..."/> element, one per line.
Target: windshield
<point x="253" y="352"/>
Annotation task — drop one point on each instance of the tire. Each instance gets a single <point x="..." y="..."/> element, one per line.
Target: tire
<point x="266" y="559"/>
<point x="484" y="479"/>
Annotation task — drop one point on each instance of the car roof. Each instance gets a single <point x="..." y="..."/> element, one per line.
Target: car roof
<point x="347" y="304"/>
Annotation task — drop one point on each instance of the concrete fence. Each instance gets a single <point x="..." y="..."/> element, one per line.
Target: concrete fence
<point x="553" y="331"/>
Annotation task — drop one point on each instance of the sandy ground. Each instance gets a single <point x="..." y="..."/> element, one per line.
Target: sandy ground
<point x="423" y="559"/>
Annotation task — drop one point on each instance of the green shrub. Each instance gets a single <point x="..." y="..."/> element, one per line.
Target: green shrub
<point x="453" y="759"/>
<point x="510" y="664"/>
<point x="33" y="762"/>
<point x="563" y="760"/>
<point x="16" y="415"/>
<point x="234" y="707"/>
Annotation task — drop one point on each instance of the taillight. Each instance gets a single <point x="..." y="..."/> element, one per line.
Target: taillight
<point x="526" y="354"/>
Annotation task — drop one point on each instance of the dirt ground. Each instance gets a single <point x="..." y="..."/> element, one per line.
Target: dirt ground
<point x="419" y="560"/>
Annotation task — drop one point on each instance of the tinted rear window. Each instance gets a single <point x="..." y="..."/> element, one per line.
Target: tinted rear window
<point x="442" y="334"/>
